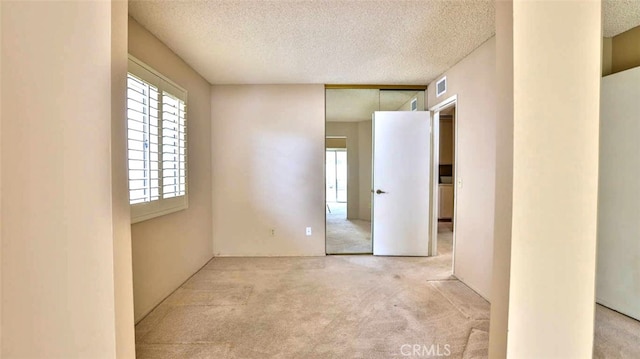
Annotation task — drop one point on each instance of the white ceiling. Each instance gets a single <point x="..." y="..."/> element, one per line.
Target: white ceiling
<point x="619" y="16"/>
<point x="332" y="41"/>
<point x="319" y="41"/>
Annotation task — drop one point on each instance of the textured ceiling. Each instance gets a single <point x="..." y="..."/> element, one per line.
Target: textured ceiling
<point x="322" y="41"/>
<point x="619" y="16"/>
<point x="332" y="41"/>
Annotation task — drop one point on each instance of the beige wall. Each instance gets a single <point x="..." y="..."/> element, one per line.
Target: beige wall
<point x="365" y="137"/>
<point x="407" y="105"/>
<point x="504" y="181"/>
<point x="336" y="142"/>
<point x="1" y="186"/>
<point x="555" y="178"/>
<point x="268" y="159"/>
<point x="621" y="52"/>
<point x="350" y="130"/>
<point x="58" y="249"/>
<point x="123" y="275"/>
<point x="446" y="151"/>
<point x="607" y="54"/>
<point x="473" y="80"/>
<point x="359" y="158"/>
<point x="618" y="274"/>
<point x="169" y="249"/>
<point x="625" y="50"/>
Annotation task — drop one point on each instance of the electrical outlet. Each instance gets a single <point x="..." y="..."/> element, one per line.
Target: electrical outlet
<point x="308" y="231"/>
<point x="272" y="232"/>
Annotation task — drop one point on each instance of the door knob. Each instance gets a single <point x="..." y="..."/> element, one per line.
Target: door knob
<point x="380" y="191"/>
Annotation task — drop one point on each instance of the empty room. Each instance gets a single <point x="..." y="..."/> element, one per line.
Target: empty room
<point x="319" y="179"/>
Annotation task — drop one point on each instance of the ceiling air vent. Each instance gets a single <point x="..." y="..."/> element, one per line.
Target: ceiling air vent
<point x="441" y="86"/>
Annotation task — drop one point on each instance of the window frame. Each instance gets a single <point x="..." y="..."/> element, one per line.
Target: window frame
<point x="155" y="208"/>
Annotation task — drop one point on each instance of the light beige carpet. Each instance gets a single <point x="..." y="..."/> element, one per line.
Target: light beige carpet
<point x="318" y="307"/>
<point x="337" y="307"/>
<point x="353" y="236"/>
<point x="346" y="236"/>
<point x="616" y="335"/>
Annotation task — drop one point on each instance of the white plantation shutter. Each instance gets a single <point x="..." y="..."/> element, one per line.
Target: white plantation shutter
<point x="173" y="146"/>
<point x="156" y="143"/>
<point x="142" y="123"/>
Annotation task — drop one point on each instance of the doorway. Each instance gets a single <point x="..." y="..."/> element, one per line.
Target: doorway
<point x="348" y="231"/>
<point x="336" y="172"/>
<point x="344" y="234"/>
<point x="349" y="113"/>
<point x="443" y="209"/>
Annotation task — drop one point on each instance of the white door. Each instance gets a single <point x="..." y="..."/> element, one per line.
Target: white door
<point x="401" y="147"/>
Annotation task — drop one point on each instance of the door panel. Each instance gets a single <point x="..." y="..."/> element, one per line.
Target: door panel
<point x="401" y="177"/>
<point x="618" y="269"/>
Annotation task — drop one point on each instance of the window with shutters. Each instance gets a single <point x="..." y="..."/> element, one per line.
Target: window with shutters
<point x="157" y="143"/>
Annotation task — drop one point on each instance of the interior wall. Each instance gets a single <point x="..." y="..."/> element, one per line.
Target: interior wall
<point x="123" y="271"/>
<point x="473" y="80"/>
<point x="407" y="105"/>
<point x="625" y="50"/>
<point x="57" y="252"/>
<point x="167" y="250"/>
<point x="498" y="329"/>
<point x="349" y="130"/>
<point x="618" y="271"/>
<point x="365" y="164"/>
<point x="555" y="178"/>
<point x="268" y="159"/>
<point x="336" y="143"/>
<point x="1" y="184"/>
<point x="607" y="55"/>
<point x="446" y="151"/>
